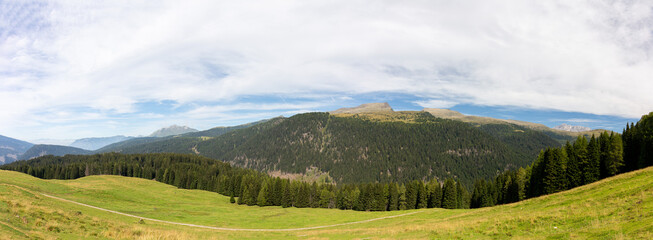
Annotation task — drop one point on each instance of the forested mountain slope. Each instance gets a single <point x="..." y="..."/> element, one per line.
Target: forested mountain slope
<point x="56" y="150"/>
<point x="183" y="143"/>
<point x="394" y="146"/>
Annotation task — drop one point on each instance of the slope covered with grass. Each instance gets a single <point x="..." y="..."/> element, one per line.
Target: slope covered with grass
<point x="618" y="207"/>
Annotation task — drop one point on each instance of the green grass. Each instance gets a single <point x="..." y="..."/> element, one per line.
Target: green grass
<point x="615" y="208"/>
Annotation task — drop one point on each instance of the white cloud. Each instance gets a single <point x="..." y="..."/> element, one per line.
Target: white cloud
<point x="106" y="57"/>
<point x="436" y="103"/>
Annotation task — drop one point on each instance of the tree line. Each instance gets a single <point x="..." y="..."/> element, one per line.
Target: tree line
<point x="583" y="162"/>
<point x="246" y="186"/>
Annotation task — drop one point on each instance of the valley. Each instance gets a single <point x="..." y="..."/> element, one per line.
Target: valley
<point x="617" y="207"/>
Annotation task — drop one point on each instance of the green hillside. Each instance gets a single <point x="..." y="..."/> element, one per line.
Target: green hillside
<point x="620" y="207"/>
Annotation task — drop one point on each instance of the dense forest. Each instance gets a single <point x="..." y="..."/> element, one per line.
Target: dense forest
<point x="583" y="162"/>
<point x="357" y="150"/>
<point x="248" y="186"/>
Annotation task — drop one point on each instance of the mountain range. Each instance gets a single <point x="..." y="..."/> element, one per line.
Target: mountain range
<point x="97" y="142"/>
<point x="11" y="149"/>
<point x="172" y="130"/>
<point x="395" y="145"/>
<point x="570" y="128"/>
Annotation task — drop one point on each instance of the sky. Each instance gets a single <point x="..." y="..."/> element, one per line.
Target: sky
<point x="74" y="69"/>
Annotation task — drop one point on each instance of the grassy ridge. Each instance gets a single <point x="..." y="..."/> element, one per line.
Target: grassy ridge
<point x="615" y="208"/>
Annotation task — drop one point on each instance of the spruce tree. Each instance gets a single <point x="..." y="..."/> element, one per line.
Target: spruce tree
<point x="449" y="194"/>
<point x="555" y="178"/>
<point x="393" y="197"/>
<point x="287" y="197"/>
<point x="592" y="169"/>
<point x="435" y="197"/>
<point x="604" y="143"/>
<point x="614" y="156"/>
<point x="411" y="195"/>
<point x="577" y="155"/>
<point x="462" y="197"/>
<point x="402" y="198"/>
<point x="422" y="195"/>
<point x="263" y="197"/>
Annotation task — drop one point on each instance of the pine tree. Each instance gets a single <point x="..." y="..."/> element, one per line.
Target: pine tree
<point x="422" y="195"/>
<point x="263" y="195"/>
<point x="604" y="143"/>
<point x="411" y="195"/>
<point x="555" y="178"/>
<point x="435" y="194"/>
<point x="614" y="156"/>
<point x="449" y="194"/>
<point x="535" y="185"/>
<point x="577" y="159"/>
<point x="393" y="197"/>
<point x="287" y="197"/>
<point x="462" y="197"/>
<point x="592" y="169"/>
<point x="402" y="198"/>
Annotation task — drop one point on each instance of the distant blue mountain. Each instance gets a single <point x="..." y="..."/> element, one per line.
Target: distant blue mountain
<point x="11" y="149"/>
<point x="57" y="150"/>
<point x="98" y="142"/>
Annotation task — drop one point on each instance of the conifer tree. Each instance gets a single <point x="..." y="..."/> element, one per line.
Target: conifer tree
<point x="577" y="159"/>
<point x="411" y="195"/>
<point x="393" y="197"/>
<point x="422" y="195"/>
<point x="435" y="194"/>
<point x="555" y="178"/>
<point x="449" y="194"/>
<point x="287" y="197"/>
<point x="614" y="156"/>
<point x="462" y="196"/>
<point x="402" y="198"/>
<point x="263" y="195"/>
<point x="604" y="143"/>
<point x="592" y="169"/>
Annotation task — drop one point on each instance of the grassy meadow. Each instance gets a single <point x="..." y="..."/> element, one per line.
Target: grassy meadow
<point x="615" y="208"/>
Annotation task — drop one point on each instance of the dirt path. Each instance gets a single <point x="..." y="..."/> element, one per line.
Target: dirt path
<point x="216" y="228"/>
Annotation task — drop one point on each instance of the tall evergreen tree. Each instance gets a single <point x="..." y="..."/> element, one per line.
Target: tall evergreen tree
<point x="592" y="170"/>
<point x="614" y="156"/>
<point x="287" y="197"/>
<point x="422" y="195"/>
<point x="449" y="194"/>
<point x="393" y="197"/>
<point x="604" y="143"/>
<point x="577" y="159"/>
<point x="402" y="198"/>
<point x="435" y="197"/>
<point x="411" y="194"/>
<point x="555" y="178"/>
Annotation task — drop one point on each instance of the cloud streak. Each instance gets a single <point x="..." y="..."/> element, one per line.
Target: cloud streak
<point x="100" y="60"/>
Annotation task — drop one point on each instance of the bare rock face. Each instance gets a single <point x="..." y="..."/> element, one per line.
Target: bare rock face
<point x="366" y="108"/>
<point x="570" y="128"/>
<point x="171" y="131"/>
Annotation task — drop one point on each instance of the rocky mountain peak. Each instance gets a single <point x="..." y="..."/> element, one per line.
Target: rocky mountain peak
<point x="172" y="130"/>
<point x="570" y="128"/>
